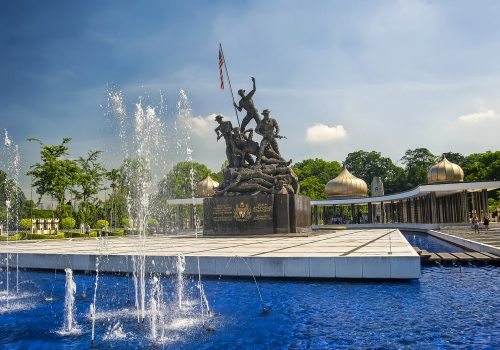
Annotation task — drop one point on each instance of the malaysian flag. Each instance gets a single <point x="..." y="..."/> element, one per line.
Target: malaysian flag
<point x="221" y="63"/>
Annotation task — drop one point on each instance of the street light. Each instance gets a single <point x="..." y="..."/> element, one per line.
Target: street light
<point x="7" y="204"/>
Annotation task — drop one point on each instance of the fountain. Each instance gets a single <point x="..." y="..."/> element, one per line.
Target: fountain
<point x="181" y="267"/>
<point x="150" y="148"/>
<point x="70" y="324"/>
<point x="11" y="158"/>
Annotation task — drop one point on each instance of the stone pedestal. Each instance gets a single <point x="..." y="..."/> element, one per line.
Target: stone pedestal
<point x="256" y="215"/>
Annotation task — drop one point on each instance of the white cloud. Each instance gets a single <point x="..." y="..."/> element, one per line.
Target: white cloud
<point x="322" y="133"/>
<point x="478" y="116"/>
<point x="202" y="126"/>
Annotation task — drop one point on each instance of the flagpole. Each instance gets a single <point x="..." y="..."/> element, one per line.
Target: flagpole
<point x="230" y="88"/>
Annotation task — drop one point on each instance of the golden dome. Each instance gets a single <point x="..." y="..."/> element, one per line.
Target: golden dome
<point x="206" y="187"/>
<point x="445" y="171"/>
<point x="346" y="185"/>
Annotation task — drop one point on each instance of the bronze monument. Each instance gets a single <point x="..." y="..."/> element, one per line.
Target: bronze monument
<point x="260" y="191"/>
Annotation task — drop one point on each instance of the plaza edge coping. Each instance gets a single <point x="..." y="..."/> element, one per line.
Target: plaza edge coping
<point x="356" y="267"/>
<point x="464" y="242"/>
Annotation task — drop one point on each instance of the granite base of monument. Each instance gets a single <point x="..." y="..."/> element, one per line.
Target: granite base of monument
<point x="256" y="215"/>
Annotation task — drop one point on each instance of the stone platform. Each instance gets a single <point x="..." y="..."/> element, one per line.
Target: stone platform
<point x="378" y="254"/>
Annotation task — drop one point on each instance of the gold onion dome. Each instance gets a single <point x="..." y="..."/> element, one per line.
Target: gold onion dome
<point x="206" y="187"/>
<point x="346" y="185"/>
<point x="445" y="171"/>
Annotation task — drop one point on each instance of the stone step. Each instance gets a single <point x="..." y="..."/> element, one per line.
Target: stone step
<point x="447" y="257"/>
<point x="434" y="257"/>
<point x="463" y="257"/>
<point x="424" y="254"/>
<point x="479" y="256"/>
<point x="491" y="255"/>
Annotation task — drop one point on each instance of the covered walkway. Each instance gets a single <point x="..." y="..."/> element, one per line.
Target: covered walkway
<point x="425" y="204"/>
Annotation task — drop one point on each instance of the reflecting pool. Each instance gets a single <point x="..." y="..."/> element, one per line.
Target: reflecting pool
<point x="430" y="243"/>
<point x="448" y="308"/>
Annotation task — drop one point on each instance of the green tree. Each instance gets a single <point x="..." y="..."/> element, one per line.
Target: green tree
<point x="25" y="223"/>
<point x="18" y="202"/>
<point x="367" y="165"/>
<point x="67" y="223"/>
<point x="177" y="182"/>
<point x="417" y="163"/>
<point x="313" y="175"/>
<point x="91" y="176"/>
<point x="54" y="175"/>
<point x="114" y="175"/>
<point x="454" y="157"/>
<point x="100" y="224"/>
<point x="482" y="166"/>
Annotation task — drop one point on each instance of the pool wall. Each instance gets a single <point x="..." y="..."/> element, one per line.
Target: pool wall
<point x="356" y="267"/>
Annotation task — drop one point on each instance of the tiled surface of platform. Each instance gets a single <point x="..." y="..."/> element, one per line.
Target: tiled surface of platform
<point x="380" y="253"/>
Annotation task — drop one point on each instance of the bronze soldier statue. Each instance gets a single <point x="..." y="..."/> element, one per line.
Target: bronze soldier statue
<point x="224" y="130"/>
<point x="245" y="146"/>
<point x="269" y="129"/>
<point x="246" y="103"/>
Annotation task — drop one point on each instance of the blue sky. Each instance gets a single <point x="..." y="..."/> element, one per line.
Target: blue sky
<point x="338" y="76"/>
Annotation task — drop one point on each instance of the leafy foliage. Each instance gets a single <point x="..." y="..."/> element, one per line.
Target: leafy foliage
<point x="100" y="224"/>
<point x="54" y="175"/>
<point x="454" y="157"/>
<point x="417" y="163"/>
<point x="25" y="224"/>
<point x="19" y="206"/>
<point x="482" y="166"/>
<point x="367" y="165"/>
<point x="67" y="223"/>
<point x="313" y="175"/>
<point x="91" y="176"/>
<point x="177" y="183"/>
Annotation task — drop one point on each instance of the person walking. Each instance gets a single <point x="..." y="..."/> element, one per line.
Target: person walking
<point x="475" y="224"/>
<point x="486" y="223"/>
<point x="87" y="231"/>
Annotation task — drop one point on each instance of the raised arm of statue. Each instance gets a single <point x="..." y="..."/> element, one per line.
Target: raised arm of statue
<point x="250" y="94"/>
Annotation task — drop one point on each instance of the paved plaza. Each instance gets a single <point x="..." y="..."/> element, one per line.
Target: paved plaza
<point x="343" y="254"/>
<point x="490" y="237"/>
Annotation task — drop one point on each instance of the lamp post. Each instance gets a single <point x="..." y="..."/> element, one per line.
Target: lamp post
<point x="7" y="204"/>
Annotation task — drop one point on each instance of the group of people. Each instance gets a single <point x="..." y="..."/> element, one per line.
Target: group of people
<point x="240" y="146"/>
<point x="475" y="223"/>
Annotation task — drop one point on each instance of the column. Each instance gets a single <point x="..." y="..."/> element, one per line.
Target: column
<point x="382" y="213"/>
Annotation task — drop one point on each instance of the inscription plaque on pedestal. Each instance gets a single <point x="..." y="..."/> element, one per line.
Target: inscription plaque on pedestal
<point x="255" y="215"/>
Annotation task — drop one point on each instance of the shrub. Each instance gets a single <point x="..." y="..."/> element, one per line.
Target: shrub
<point x="152" y="222"/>
<point x="16" y="237"/>
<point x="67" y="223"/>
<point x="25" y="224"/>
<point x="126" y="222"/>
<point x="43" y="214"/>
<point x="45" y="236"/>
<point x="102" y="224"/>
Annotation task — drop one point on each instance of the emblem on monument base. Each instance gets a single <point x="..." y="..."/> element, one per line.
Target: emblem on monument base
<point x="242" y="212"/>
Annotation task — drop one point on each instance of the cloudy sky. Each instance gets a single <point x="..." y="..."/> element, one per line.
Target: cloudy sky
<point x="338" y="76"/>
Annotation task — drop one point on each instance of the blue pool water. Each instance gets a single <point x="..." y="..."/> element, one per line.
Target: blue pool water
<point x="430" y="243"/>
<point x="448" y="308"/>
